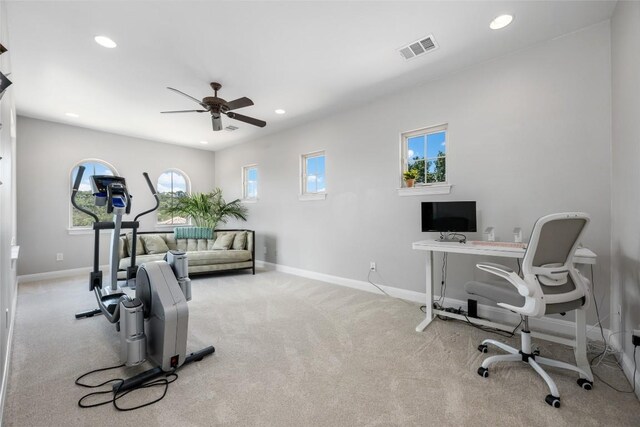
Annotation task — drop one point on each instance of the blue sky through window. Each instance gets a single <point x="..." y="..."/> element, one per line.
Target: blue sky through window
<point x="171" y="181"/>
<point x="315" y="174"/>
<point x="91" y="168"/>
<point x="431" y="143"/>
<point x="416" y="148"/>
<point x="436" y="143"/>
<point x="252" y="183"/>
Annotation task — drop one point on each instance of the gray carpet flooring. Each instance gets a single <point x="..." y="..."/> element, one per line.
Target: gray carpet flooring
<point x="292" y="352"/>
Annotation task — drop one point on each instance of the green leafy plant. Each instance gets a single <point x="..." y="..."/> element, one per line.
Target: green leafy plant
<point x="410" y="174"/>
<point x="208" y="209"/>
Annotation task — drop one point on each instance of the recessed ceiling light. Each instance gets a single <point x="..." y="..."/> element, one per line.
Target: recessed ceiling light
<point x="280" y="111"/>
<point x="501" y="22"/>
<point x="105" y="42"/>
<point x="204" y="142"/>
<point x="74" y="115"/>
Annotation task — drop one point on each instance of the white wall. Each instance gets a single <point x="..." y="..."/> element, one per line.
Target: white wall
<point x="7" y="211"/>
<point x="625" y="203"/>
<point x="46" y="154"/>
<point x="529" y="134"/>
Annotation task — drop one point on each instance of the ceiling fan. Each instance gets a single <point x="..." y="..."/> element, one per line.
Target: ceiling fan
<point x="218" y="106"/>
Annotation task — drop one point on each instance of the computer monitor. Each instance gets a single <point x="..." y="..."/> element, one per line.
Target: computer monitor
<point x="449" y="217"/>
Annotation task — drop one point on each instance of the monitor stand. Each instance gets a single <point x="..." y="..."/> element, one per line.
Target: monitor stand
<point x="452" y="237"/>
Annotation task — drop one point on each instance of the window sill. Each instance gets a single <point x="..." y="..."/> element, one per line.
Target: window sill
<point x="249" y="201"/>
<point x="312" y="196"/>
<point x="425" y="190"/>
<point x="168" y="227"/>
<point x="79" y="231"/>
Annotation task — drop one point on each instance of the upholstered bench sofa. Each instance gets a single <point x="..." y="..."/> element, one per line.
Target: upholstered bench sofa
<point x="227" y="250"/>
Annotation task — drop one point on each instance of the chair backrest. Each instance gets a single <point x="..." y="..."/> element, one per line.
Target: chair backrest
<point x="549" y="260"/>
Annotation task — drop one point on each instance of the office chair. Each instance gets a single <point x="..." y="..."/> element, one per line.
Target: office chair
<point x="550" y="283"/>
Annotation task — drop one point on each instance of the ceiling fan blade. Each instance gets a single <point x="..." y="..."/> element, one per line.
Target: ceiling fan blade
<point x="188" y="96"/>
<point x="239" y="103"/>
<point x="246" y="119"/>
<point x="184" y="111"/>
<point x="216" y="121"/>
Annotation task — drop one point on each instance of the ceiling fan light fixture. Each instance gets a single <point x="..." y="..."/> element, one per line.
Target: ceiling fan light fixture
<point x="105" y="41"/>
<point x="501" y="21"/>
<point x="280" y="111"/>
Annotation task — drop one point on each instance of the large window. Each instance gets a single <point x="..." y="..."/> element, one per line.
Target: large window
<point x="313" y="183"/>
<point x="424" y="153"/>
<point x="172" y="185"/>
<point x="84" y="197"/>
<point x="250" y="182"/>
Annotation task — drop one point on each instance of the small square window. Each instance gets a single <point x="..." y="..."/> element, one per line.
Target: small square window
<point x="313" y="179"/>
<point x="250" y="182"/>
<point x="424" y="153"/>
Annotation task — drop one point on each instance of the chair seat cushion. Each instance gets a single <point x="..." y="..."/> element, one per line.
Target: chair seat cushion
<point x="495" y="292"/>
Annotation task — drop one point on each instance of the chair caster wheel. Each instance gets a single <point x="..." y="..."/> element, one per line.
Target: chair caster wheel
<point x="483" y="372"/>
<point x="585" y="383"/>
<point x="482" y="348"/>
<point x="552" y="400"/>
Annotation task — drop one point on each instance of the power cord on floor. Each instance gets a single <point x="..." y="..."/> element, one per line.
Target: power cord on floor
<point x="117" y="394"/>
<point x="378" y="287"/>
<point x="607" y="348"/>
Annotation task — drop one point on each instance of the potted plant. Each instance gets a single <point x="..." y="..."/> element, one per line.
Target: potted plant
<point x="410" y="177"/>
<point x="207" y="210"/>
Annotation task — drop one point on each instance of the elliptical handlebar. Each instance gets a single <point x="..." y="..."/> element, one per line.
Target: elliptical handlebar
<point x="155" y="196"/>
<point x="74" y="192"/>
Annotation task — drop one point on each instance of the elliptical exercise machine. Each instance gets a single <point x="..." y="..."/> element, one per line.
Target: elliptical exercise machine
<point x="153" y="325"/>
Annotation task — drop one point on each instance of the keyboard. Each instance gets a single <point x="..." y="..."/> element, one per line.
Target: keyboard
<point x="498" y="244"/>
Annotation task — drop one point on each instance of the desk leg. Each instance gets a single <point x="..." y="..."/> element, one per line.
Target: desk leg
<point x="580" y="350"/>
<point x="429" y="292"/>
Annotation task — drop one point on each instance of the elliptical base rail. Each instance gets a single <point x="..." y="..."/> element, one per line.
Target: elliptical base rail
<point x="143" y="377"/>
<point x="88" y="313"/>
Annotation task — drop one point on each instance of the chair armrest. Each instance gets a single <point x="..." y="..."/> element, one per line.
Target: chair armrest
<point x="509" y="275"/>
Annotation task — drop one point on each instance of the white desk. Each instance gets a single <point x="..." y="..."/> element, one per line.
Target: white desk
<point x="582" y="256"/>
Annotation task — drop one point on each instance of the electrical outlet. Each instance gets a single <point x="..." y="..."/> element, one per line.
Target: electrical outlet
<point x="372" y="266"/>
<point x="59" y="256"/>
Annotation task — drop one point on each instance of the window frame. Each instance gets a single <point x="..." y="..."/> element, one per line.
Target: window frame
<point x="304" y="194"/>
<point x="442" y="187"/>
<point x="76" y="229"/>
<point x="187" y="181"/>
<point x="245" y="181"/>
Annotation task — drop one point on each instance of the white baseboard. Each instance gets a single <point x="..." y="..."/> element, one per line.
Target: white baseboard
<point x="49" y="275"/>
<point x="627" y="363"/>
<point x="350" y="283"/>
<point x="7" y="361"/>
<point x="496" y="314"/>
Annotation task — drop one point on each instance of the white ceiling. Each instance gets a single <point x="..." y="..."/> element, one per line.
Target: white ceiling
<point x="309" y="58"/>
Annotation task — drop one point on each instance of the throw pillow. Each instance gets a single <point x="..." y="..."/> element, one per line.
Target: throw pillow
<point x="122" y="248"/>
<point x="139" y="247"/>
<point x="154" y="244"/>
<point x="240" y="241"/>
<point x="223" y="242"/>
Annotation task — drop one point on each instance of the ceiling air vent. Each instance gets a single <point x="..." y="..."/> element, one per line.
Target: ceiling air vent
<point x="418" y="47"/>
<point x="231" y="128"/>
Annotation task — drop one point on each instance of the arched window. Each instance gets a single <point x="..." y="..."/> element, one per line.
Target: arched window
<point x="84" y="197"/>
<point x="172" y="184"/>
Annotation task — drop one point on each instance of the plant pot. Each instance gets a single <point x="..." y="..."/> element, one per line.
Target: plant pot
<point x="410" y="182"/>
